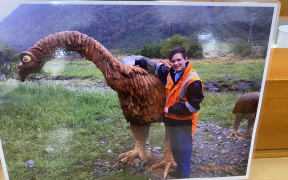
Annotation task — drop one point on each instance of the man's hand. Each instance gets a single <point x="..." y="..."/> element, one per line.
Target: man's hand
<point x="166" y="109"/>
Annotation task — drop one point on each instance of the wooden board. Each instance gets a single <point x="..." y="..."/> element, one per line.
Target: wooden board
<point x="284" y="8"/>
<point x="272" y="134"/>
<point x="269" y="168"/>
<point x="1" y="172"/>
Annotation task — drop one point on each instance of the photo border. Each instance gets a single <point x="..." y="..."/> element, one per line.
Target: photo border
<point x="3" y="163"/>
<point x="235" y="3"/>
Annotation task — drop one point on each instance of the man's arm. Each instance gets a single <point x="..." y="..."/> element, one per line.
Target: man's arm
<point x="158" y="69"/>
<point x="194" y="97"/>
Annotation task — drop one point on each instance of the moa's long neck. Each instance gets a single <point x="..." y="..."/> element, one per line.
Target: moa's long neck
<point x="85" y="46"/>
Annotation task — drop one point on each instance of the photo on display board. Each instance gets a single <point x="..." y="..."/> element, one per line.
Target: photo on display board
<point x="76" y="104"/>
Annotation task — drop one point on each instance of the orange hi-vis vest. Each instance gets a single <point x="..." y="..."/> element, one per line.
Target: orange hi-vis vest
<point x="175" y="93"/>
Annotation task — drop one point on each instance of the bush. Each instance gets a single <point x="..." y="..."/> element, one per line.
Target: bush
<point x="161" y="50"/>
<point x="8" y="60"/>
<point x="195" y="50"/>
<point x="151" y="51"/>
<point x="242" y="49"/>
<point x="168" y="44"/>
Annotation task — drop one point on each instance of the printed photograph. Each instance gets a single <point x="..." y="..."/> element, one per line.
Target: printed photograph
<point x="132" y="90"/>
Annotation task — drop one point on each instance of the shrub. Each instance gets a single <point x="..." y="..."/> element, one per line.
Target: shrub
<point x="161" y="50"/>
<point x="195" y="50"/>
<point x="172" y="42"/>
<point x="242" y="49"/>
<point x="151" y="51"/>
<point x="8" y="60"/>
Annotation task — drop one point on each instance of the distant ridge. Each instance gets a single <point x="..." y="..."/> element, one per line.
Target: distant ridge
<point x="130" y="27"/>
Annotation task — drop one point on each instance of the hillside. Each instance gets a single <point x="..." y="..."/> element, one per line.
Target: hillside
<point x="126" y="27"/>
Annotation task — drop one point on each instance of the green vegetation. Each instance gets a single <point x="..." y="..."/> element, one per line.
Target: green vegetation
<point x="168" y="44"/>
<point x="161" y="50"/>
<point x="238" y="70"/>
<point x="82" y="125"/>
<point x="208" y="70"/>
<point x="69" y="69"/>
<point x="217" y="108"/>
<point x="242" y="49"/>
<point x="8" y="60"/>
<point x="79" y="125"/>
<point x="151" y="51"/>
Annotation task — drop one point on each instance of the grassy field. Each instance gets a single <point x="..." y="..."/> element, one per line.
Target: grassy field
<point x="70" y="69"/>
<point x="235" y="70"/>
<point x="208" y="70"/>
<point x="80" y="126"/>
<point x="64" y="131"/>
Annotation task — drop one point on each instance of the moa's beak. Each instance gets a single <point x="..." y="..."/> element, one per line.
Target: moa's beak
<point x="21" y="76"/>
<point x="21" y="73"/>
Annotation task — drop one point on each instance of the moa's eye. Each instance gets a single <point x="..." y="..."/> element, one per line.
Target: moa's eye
<point x="26" y="59"/>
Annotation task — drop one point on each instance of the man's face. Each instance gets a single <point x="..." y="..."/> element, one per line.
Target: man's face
<point x="178" y="62"/>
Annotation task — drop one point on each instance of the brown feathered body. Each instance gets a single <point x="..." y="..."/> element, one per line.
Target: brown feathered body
<point x="141" y="95"/>
<point x="247" y="103"/>
<point x="245" y="108"/>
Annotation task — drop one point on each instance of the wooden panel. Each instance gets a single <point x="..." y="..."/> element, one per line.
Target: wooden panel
<point x="269" y="168"/>
<point x="284" y="8"/>
<point x="278" y="66"/>
<point x="272" y="133"/>
<point x="273" y="124"/>
<point x="1" y="172"/>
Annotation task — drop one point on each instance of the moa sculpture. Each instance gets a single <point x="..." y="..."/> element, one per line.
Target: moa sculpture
<point x="245" y="108"/>
<point x="141" y="95"/>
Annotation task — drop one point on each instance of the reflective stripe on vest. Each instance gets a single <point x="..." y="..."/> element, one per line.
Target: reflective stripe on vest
<point x="182" y="93"/>
<point x="184" y="85"/>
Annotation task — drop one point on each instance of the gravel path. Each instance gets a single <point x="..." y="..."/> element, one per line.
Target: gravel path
<point x="214" y="155"/>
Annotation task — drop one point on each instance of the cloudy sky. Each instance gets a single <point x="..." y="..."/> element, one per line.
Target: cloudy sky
<point x="7" y="6"/>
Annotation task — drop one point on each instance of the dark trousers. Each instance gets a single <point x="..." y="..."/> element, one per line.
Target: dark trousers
<point x="181" y="146"/>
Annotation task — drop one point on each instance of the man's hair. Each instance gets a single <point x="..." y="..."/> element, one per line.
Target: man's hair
<point x="176" y="50"/>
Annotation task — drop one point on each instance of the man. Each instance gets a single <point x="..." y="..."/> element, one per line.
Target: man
<point x="184" y="93"/>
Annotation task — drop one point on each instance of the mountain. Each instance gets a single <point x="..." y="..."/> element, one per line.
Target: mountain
<point x="132" y="26"/>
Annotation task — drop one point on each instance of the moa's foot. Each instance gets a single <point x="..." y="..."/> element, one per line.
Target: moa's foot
<point x="167" y="164"/>
<point x="130" y="156"/>
<point x="236" y="134"/>
<point x="139" y="150"/>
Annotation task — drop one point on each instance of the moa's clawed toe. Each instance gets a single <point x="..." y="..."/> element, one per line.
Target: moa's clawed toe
<point x="130" y="157"/>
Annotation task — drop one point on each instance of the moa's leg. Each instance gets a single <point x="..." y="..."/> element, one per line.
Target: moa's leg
<point x="167" y="160"/>
<point x="250" y="125"/>
<point x="139" y="150"/>
<point x="238" y="118"/>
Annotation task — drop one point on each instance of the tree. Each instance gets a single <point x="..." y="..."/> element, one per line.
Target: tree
<point x="242" y="49"/>
<point x="151" y="51"/>
<point x="194" y="49"/>
<point x="8" y="59"/>
<point x="167" y="45"/>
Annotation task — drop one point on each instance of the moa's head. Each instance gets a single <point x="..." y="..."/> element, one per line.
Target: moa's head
<point x="27" y="65"/>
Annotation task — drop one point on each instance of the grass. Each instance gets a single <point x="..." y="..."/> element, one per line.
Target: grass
<point x="82" y="125"/>
<point x="235" y="70"/>
<point x="208" y="70"/>
<point x="74" y="123"/>
<point x="70" y="69"/>
<point x="217" y="108"/>
<point x="79" y="125"/>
